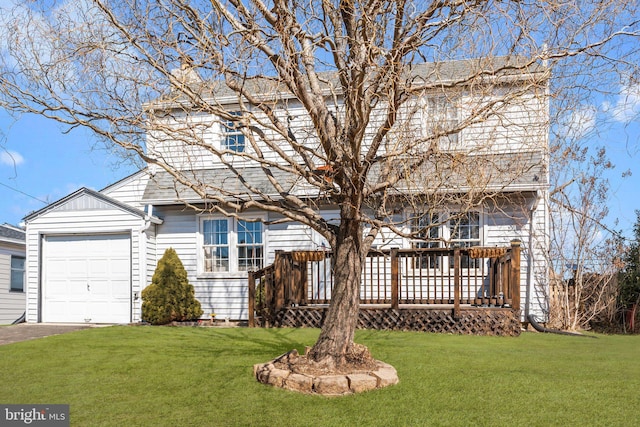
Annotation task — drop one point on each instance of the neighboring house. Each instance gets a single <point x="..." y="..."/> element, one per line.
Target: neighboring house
<point x="12" y="267"/>
<point x="91" y="253"/>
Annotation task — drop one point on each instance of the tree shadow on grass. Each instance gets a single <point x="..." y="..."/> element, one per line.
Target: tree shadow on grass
<point x="242" y="341"/>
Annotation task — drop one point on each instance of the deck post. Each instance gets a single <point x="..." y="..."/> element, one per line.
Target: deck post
<point x="494" y="277"/>
<point x="514" y="279"/>
<point x="394" y="278"/>
<point x="282" y="274"/>
<point x="252" y="299"/>
<point x="456" y="282"/>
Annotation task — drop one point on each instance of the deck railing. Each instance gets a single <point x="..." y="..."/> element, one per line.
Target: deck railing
<point x="477" y="276"/>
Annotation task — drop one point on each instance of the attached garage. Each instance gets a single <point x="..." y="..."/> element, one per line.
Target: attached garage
<point x="87" y="278"/>
<point x="88" y="259"/>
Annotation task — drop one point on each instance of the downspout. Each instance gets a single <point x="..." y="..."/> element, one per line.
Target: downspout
<point x="142" y="247"/>
<point x="538" y="327"/>
<point x="530" y="263"/>
<point x="528" y="316"/>
<point x="20" y="319"/>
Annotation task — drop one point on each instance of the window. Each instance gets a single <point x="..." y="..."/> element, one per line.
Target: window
<point x="233" y="138"/>
<point x="464" y="230"/>
<point x="442" y="118"/>
<point x="17" y="274"/>
<point x="216" y="245"/>
<point x="231" y="245"/>
<point x="249" y="245"/>
<point x="436" y="230"/>
<point x="427" y="234"/>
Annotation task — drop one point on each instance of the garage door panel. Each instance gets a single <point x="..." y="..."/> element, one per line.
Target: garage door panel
<point x="98" y="267"/>
<point x="119" y="265"/>
<point x="76" y="289"/>
<point x="120" y="289"/>
<point x="57" y="267"/>
<point x="75" y="267"/>
<point x="87" y="279"/>
<point x="100" y="289"/>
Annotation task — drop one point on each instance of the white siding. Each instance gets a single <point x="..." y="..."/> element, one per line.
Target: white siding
<point x="225" y="294"/>
<point x="90" y="222"/>
<point x="129" y="190"/>
<point x="518" y="124"/>
<point x="12" y="304"/>
<point x="507" y="221"/>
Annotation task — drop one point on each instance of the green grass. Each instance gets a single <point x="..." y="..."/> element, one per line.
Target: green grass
<point x="161" y="376"/>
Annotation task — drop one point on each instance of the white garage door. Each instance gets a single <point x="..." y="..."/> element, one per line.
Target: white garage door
<point x="86" y="279"/>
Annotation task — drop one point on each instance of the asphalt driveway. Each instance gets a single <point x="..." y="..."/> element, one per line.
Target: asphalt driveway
<point x="30" y="331"/>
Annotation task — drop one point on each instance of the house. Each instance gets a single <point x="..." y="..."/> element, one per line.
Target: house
<point x="91" y="253"/>
<point x="12" y="267"/>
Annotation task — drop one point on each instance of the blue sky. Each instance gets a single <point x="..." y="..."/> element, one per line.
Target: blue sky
<point x="39" y="163"/>
<point x="38" y="159"/>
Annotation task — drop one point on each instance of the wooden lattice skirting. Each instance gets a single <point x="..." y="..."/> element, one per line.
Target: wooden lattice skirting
<point x="473" y="321"/>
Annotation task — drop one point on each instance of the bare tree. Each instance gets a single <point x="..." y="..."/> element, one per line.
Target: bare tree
<point x="584" y="254"/>
<point x="327" y="96"/>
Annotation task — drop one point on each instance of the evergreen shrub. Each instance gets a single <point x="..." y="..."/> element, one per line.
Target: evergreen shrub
<point x="170" y="296"/>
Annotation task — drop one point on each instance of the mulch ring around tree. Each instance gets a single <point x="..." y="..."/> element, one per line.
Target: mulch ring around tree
<point x="293" y="371"/>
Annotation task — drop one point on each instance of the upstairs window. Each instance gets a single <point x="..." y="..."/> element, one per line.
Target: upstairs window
<point x="442" y="118"/>
<point x="233" y="138"/>
<point x="17" y="274"/>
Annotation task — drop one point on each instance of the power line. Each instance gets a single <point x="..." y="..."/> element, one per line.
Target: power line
<point x="23" y="193"/>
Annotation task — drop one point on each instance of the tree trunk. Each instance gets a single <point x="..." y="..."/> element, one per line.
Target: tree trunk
<point x="335" y="346"/>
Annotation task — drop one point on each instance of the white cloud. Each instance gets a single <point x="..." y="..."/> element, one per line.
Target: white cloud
<point x="579" y="122"/>
<point x="627" y="106"/>
<point x="11" y="158"/>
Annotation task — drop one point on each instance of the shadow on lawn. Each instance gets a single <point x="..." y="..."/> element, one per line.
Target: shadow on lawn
<point x="277" y="341"/>
<point x="236" y="341"/>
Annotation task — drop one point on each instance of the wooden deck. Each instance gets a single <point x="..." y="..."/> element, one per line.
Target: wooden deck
<point x="460" y="290"/>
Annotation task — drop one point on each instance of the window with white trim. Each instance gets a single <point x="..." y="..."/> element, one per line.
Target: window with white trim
<point x="464" y="231"/>
<point x="250" y="246"/>
<point x="442" y="118"/>
<point x="215" y="233"/>
<point x="427" y="234"/>
<point x="439" y="230"/>
<point x="230" y="245"/>
<point x="17" y="273"/>
<point x="233" y="138"/>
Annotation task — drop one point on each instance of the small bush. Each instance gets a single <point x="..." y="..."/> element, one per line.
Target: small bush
<point x="170" y="296"/>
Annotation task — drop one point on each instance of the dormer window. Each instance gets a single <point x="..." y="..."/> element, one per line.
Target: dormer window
<point x="233" y="138"/>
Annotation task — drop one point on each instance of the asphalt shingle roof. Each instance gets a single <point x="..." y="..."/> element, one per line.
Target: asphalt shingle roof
<point x="496" y="172"/>
<point x="9" y="232"/>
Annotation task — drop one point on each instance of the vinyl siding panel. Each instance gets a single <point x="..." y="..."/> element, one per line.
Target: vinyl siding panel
<point x="129" y="190"/>
<point x="12" y="304"/>
<point x="519" y="124"/>
<point x="505" y="222"/>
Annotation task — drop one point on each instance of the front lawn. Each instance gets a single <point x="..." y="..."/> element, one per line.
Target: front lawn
<point x="164" y="376"/>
